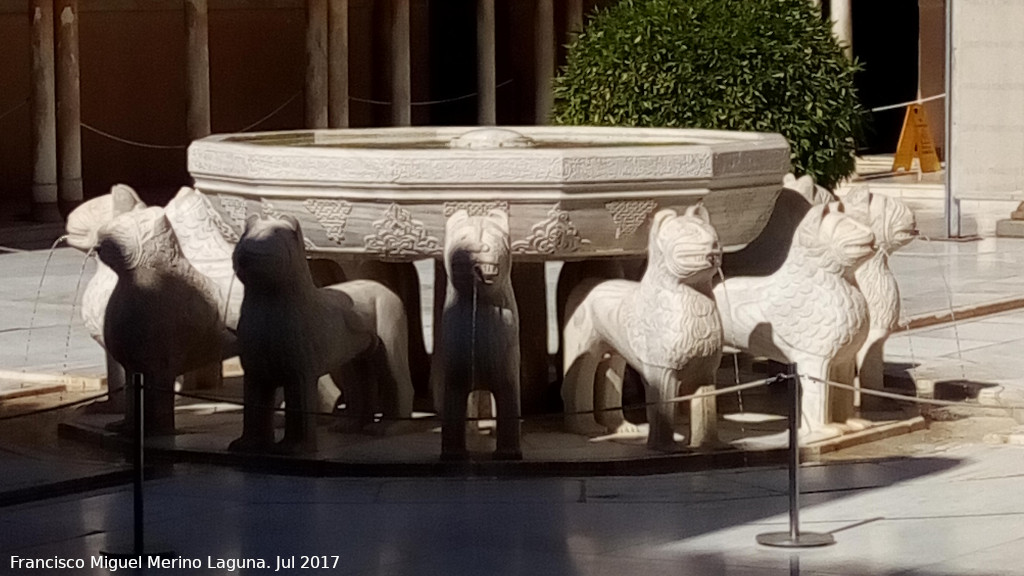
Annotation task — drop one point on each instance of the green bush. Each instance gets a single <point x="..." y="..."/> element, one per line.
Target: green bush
<point x="763" y="65"/>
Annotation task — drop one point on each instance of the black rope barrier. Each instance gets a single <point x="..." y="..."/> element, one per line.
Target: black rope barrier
<point x="636" y="406"/>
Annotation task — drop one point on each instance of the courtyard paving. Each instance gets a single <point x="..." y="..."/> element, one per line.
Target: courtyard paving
<point x="954" y="506"/>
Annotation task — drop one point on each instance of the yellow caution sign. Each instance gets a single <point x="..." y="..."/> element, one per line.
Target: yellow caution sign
<point x="916" y="141"/>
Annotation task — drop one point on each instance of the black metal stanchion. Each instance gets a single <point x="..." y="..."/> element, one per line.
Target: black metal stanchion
<point x="794" y="538"/>
<point x="138" y="480"/>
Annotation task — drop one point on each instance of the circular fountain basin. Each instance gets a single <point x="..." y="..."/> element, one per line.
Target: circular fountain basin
<point x="571" y="193"/>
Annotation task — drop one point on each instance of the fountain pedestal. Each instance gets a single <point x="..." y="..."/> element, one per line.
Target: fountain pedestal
<point x="571" y="194"/>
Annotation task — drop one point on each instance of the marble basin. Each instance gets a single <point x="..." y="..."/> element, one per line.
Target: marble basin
<point x="571" y="193"/>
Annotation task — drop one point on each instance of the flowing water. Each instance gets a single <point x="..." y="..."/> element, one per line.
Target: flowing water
<point x="735" y="366"/>
<point x="74" y="308"/>
<point x="949" y="306"/>
<point x="35" y="305"/>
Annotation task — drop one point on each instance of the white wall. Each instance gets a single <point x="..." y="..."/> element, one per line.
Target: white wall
<point x="988" y="99"/>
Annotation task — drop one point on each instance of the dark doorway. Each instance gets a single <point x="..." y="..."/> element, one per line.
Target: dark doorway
<point x="885" y="41"/>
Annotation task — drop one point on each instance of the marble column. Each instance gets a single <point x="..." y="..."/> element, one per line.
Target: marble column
<point x="842" y="24"/>
<point x="69" y="106"/>
<point x="931" y="70"/>
<point x="544" y="65"/>
<point x="535" y="391"/>
<point x="486" y="76"/>
<point x="198" y="66"/>
<point x="316" y="64"/>
<point x="338" y="64"/>
<point x="44" y="115"/>
<point x="574" y="17"/>
<point x="198" y="123"/>
<point x="401" y="66"/>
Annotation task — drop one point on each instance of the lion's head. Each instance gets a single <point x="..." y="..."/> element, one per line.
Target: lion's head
<point x="270" y="252"/>
<point x="477" y="249"/>
<point x="85" y="221"/>
<point x="137" y="239"/>
<point x="891" y="221"/>
<point x="684" y="246"/>
<point x="840" y="241"/>
<point x="808" y="188"/>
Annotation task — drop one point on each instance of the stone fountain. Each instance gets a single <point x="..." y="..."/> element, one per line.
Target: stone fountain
<point x="375" y="200"/>
<point x="491" y="206"/>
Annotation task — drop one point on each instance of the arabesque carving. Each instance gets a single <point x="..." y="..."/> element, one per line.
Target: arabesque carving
<point x="556" y="233"/>
<point x="629" y="215"/>
<point x="332" y="216"/>
<point x="398" y="233"/>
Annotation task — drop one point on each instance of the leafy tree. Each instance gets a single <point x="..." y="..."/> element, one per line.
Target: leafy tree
<point x="761" y="65"/>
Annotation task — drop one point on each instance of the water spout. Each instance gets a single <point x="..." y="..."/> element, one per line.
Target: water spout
<point x="39" y="291"/>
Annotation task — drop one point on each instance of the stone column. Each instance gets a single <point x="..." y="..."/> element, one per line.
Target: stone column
<point x="544" y="66"/>
<point x="486" y="76"/>
<point x="401" y="65"/>
<point x="574" y="17"/>
<point x="316" y="63"/>
<point x="198" y="66"/>
<point x="528" y="283"/>
<point x="198" y="123"/>
<point x="69" y="106"/>
<point x="842" y="24"/>
<point x="931" y="66"/>
<point x="44" y="115"/>
<point x="338" y="64"/>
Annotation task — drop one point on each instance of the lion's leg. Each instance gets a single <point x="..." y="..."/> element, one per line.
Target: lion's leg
<point x="608" y="394"/>
<point x="578" y="393"/>
<point x="661" y="385"/>
<point x="158" y="404"/>
<point x="395" y="394"/>
<point x="456" y="393"/>
<point x="815" y="417"/>
<point x="841" y="402"/>
<point x="357" y="385"/>
<point x="871" y="366"/>
<point x="208" y="377"/>
<point x="299" y="418"/>
<point x="257" y="416"/>
<point x="506" y="397"/>
<point x="582" y="352"/>
<point x="703" y="411"/>
<point x="116" y="382"/>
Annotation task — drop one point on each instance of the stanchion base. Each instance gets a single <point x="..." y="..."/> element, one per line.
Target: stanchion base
<point x="803" y="540"/>
<point x="146" y="555"/>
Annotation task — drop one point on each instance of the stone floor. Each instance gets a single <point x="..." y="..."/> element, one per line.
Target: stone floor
<point x="953" y="507"/>
<point x="960" y="512"/>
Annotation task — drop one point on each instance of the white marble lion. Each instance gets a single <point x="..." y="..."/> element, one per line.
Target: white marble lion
<point x="666" y="326"/>
<point x="810" y="311"/>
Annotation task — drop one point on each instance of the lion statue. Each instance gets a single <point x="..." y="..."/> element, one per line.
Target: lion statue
<point x="290" y="333"/>
<point x="82" y="227"/>
<point x="809" y="312"/>
<point x="665" y="326"/>
<point x="162" y="318"/>
<point x="479" y="344"/>
<point x="894" y="226"/>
